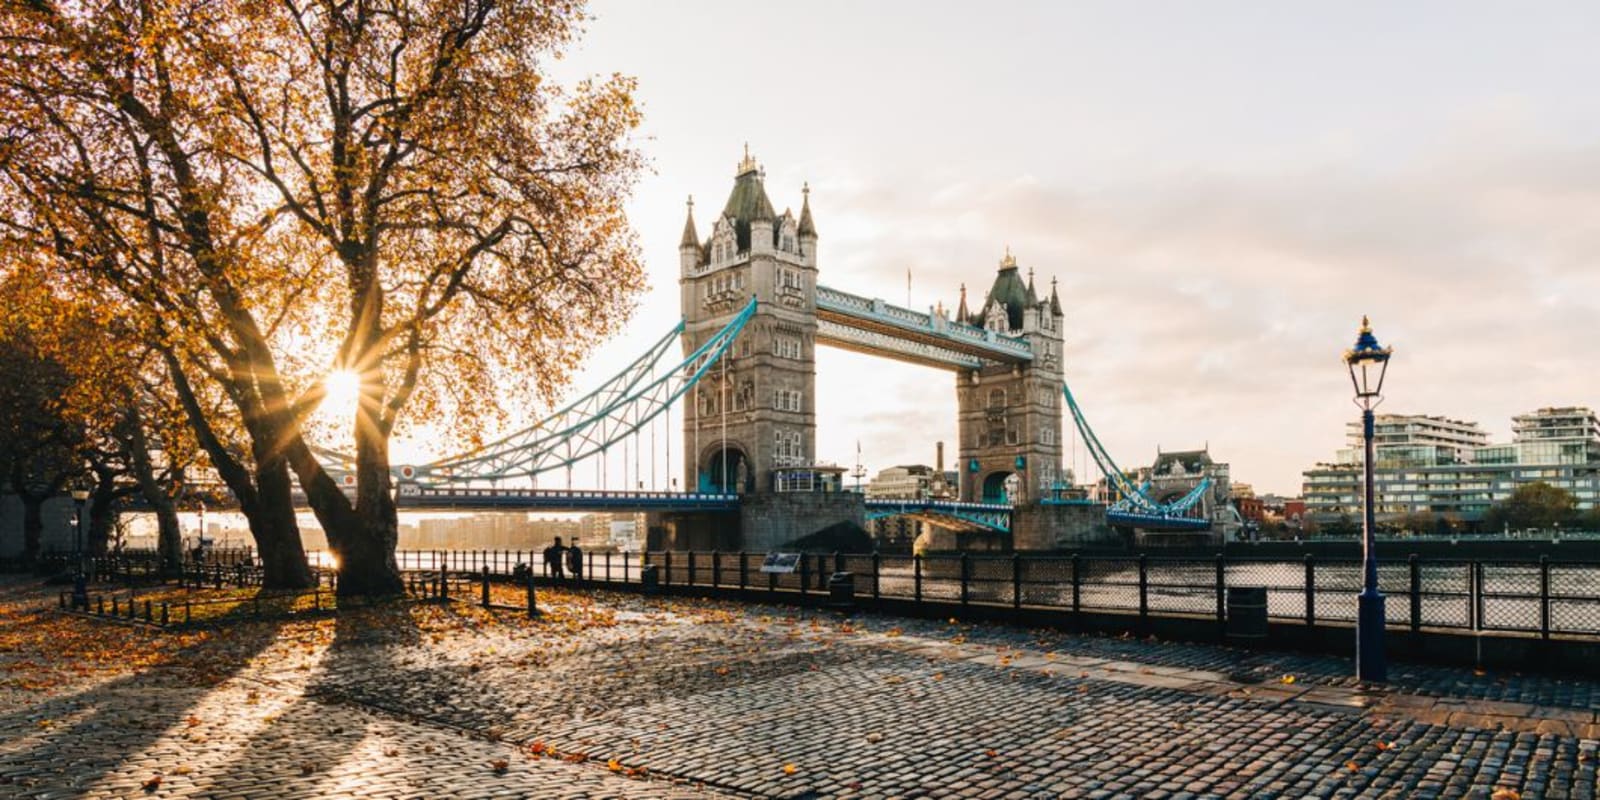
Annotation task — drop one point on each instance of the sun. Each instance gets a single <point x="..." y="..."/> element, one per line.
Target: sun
<point x="343" y="390"/>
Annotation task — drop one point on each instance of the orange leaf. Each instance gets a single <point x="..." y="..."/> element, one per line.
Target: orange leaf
<point x="500" y="765"/>
<point x="1502" y="793"/>
<point x="151" y="785"/>
<point x="991" y="752"/>
<point x="1351" y="765"/>
<point x="614" y="765"/>
<point x="790" y="769"/>
<point x="1382" y="745"/>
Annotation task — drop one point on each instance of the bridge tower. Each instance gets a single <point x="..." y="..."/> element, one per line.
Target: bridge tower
<point x="755" y="412"/>
<point x="1010" y="414"/>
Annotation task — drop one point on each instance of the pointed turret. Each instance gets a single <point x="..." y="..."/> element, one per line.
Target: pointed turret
<point x="807" y="227"/>
<point x="690" y="237"/>
<point x="1033" y="298"/>
<point x="1055" y="299"/>
<point x="962" y="314"/>
<point x="690" y="254"/>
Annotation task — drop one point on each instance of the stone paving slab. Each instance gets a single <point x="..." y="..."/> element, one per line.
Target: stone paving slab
<point x="708" y="699"/>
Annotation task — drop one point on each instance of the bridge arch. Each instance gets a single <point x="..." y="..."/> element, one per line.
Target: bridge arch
<point x="1000" y="486"/>
<point x="739" y="475"/>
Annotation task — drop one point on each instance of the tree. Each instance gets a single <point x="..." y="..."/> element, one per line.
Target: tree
<point x="82" y="403"/>
<point x="277" y="191"/>
<point x="1533" y="505"/>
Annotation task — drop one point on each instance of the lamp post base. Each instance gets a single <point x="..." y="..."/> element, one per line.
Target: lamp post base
<point x="1371" y="666"/>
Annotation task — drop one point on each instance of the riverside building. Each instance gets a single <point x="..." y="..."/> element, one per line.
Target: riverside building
<point x="1446" y="467"/>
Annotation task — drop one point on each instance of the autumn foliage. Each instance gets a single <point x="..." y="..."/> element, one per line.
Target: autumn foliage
<point x="264" y="193"/>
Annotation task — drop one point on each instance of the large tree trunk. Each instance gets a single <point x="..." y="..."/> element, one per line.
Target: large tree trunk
<point x="370" y="568"/>
<point x="102" y="514"/>
<point x="277" y="535"/>
<point x="266" y="502"/>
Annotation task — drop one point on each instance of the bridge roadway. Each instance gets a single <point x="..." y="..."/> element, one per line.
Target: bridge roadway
<point x="874" y="327"/>
<point x="414" y="497"/>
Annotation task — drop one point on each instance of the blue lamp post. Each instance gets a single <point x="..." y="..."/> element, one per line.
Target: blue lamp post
<point x="1368" y="362"/>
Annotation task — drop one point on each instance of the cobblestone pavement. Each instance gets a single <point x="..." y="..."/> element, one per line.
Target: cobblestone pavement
<point x="619" y="696"/>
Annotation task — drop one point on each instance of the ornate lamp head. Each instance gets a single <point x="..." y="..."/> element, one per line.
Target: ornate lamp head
<point x="1368" y="362"/>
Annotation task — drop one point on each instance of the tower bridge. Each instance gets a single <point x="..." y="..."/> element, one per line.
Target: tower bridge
<point x="754" y="313"/>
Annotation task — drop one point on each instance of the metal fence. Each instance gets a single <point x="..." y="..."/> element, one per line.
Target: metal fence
<point x="1536" y="596"/>
<point x="1542" y="596"/>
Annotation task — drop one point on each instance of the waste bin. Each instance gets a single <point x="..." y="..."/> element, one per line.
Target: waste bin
<point x="650" y="579"/>
<point x="1247" y="614"/>
<point x="842" y="590"/>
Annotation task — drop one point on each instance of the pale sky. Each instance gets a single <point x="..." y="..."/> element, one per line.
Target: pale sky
<point x="1222" y="189"/>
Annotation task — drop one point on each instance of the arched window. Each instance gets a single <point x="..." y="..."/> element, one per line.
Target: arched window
<point x="997" y="398"/>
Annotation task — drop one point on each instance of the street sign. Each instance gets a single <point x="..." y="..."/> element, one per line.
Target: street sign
<point x="782" y="563"/>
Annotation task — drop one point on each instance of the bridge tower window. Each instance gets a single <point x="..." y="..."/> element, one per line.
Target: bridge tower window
<point x="997" y="398"/>
<point x="786" y="347"/>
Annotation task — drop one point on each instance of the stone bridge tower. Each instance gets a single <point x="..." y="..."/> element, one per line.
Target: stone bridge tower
<point x="1010" y="415"/>
<point x="756" y="412"/>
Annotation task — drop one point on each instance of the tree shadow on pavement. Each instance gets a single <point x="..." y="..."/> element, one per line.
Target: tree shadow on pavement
<point x="74" y="740"/>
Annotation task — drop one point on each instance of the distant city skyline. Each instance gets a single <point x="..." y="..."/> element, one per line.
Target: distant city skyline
<point x="1221" y="189"/>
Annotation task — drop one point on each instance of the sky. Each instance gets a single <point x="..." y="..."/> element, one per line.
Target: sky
<point x="1221" y="189"/>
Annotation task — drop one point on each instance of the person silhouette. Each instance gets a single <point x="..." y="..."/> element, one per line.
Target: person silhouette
<point x="575" y="560"/>
<point x="554" y="557"/>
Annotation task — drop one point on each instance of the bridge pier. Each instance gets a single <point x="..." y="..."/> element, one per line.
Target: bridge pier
<point x="1062" y="526"/>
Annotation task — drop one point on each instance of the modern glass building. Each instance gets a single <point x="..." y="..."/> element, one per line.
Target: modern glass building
<point x="1434" y="465"/>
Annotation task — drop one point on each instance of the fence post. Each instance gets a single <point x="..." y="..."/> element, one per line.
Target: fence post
<point x="608" y="567"/>
<point x="838" y="561"/>
<point x="1477" y="595"/>
<point x="148" y="617"/>
<point x="916" y="578"/>
<point x="533" y="604"/>
<point x="716" y="569"/>
<point x="666" y="568"/>
<point x="877" y="568"/>
<point x="444" y="578"/>
<point x="1544" y="598"/>
<point x="966" y="575"/>
<point x="164" y="613"/>
<point x="1077" y="591"/>
<point x="690" y="581"/>
<point x="1144" y="593"/>
<point x="1415" y="568"/>
<point x="1222" y="593"/>
<point x="485" y="585"/>
<point x="744" y="572"/>
<point x="805" y="573"/>
<point x="1311" y="590"/>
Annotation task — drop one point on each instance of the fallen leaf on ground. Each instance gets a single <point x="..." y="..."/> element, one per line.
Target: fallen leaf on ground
<point x="151" y="785"/>
<point x="1287" y="679"/>
<point x="1502" y="793"/>
<point x="500" y="765"/>
<point x="1351" y="765"/>
<point x="614" y="765"/>
<point x="790" y="769"/>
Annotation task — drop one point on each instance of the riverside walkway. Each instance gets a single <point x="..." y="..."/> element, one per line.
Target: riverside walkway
<point x="617" y="695"/>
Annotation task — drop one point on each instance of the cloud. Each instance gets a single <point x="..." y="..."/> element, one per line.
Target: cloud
<point x="1213" y="305"/>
